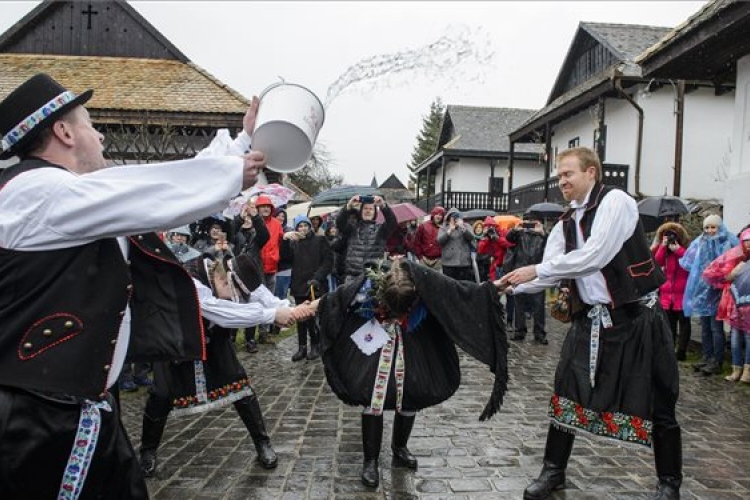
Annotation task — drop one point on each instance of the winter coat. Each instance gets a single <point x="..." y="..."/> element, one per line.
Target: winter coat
<point x="456" y="246"/>
<point x="366" y="239"/>
<point x="700" y="298"/>
<point x="251" y="240"/>
<point x="495" y="248"/>
<point x="312" y="262"/>
<point x="528" y="248"/>
<point x="672" y="292"/>
<point x="269" y="254"/>
<point x="425" y="241"/>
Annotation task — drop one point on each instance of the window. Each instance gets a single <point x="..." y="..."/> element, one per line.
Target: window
<point x="573" y="143"/>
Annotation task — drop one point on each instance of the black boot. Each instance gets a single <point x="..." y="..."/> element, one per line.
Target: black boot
<point x="668" y="458"/>
<point x="372" y="438"/>
<point x="402" y="426"/>
<point x="153" y="429"/>
<point x="314" y="348"/>
<point x="556" y="454"/>
<point x="301" y="354"/>
<point x="249" y="410"/>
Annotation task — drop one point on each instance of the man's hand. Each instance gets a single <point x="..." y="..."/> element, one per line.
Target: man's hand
<point x="378" y="201"/>
<point x="520" y="275"/>
<point x="248" y="122"/>
<point x="283" y="317"/>
<point x="255" y="161"/>
<point x="350" y="204"/>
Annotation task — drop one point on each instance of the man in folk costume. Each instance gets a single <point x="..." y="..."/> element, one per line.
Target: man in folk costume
<point x="388" y="343"/>
<point x="617" y="376"/>
<point x="81" y="286"/>
<point x="231" y="296"/>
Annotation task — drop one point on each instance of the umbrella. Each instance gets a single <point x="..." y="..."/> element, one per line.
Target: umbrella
<point x="477" y="214"/>
<point x="507" y="221"/>
<point x="654" y="210"/>
<point x="294" y="210"/>
<point x="340" y="195"/>
<point x="404" y="212"/>
<point x="546" y="210"/>
<point x="280" y="196"/>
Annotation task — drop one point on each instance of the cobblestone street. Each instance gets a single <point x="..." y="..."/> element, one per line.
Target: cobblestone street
<point x="318" y="440"/>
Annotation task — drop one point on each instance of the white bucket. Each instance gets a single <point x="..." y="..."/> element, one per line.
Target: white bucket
<point x="287" y="125"/>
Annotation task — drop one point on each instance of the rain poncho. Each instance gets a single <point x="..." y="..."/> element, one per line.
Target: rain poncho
<point x="717" y="274"/>
<point x="701" y="299"/>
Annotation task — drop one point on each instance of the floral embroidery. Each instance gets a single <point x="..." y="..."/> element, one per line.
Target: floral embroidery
<point x="216" y="394"/>
<point x="612" y="425"/>
<point x="19" y="131"/>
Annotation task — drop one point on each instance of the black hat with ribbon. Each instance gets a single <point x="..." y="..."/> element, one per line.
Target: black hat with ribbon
<point x="32" y="107"/>
<point x="246" y="273"/>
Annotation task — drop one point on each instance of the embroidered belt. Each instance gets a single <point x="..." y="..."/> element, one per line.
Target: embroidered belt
<point x="394" y="346"/>
<point x="200" y="383"/>
<point x="599" y="315"/>
<point x="84" y="445"/>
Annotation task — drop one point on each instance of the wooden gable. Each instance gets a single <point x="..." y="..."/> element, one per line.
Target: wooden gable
<point x="586" y="57"/>
<point x="110" y="29"/>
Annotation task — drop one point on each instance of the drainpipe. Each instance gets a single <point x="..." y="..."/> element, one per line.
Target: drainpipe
<point x="679" y="125"/>
<point x="639" y="142"/>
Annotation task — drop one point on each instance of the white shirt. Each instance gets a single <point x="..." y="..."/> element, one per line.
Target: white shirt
<point x="614" y="223"/>
<point x="52" y="208"/>
<point x="228" y="314"/>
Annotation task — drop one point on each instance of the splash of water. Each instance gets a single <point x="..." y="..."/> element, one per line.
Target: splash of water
<point x="440" y="59"/>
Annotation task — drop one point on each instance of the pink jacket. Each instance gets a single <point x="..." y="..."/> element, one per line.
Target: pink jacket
<point x="673" y="289"/>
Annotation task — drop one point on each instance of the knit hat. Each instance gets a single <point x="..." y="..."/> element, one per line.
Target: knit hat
<point x="712" y="220"/>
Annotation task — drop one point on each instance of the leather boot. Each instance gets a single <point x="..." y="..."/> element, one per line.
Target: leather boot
<point x="746" y="375"/>
<point x="556" y="453"/>
<point x="668" y="458"/>
<point x="249" y="410"/>
<point x="372" y="439"/>
<point x="314" y="352"/>
<point x="300" y="354"/>
<point x="736" y="374"/>
<point x="402" y="426"/>
<point x="151" y="434"/>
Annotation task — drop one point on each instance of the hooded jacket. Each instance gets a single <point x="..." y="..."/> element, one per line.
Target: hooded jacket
<point x="672" y="292"/>
<point x="425" y="241"/>
<point x="312" y="261"/>
<point x="269" y="254"/>
<point x="366" y="238"/>
<point x="456" y="246"/>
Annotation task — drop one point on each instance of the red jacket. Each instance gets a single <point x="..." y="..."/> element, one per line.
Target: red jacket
<point x="269" y="254"/>
<point x="495" y="249"/>
<point x="672" y="291"/>
<point x="425" y="242"/>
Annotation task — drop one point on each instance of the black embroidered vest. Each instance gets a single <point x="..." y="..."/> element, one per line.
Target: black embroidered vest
<point x="61" y="310"/>
<point x="631" y="274"/>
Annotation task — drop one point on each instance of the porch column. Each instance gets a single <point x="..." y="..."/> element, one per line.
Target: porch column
<point x="510" y="166"/>
<point x="548" y="163"/>
<point x="442" y="183"/>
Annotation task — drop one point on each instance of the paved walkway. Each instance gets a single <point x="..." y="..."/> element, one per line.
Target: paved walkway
<point x="318" y="440"/>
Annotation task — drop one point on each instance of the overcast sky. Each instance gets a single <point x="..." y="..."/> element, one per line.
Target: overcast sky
<point x="516" y="50"/>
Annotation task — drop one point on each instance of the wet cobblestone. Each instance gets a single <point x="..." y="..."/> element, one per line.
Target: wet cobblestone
<point x="318" y="440"/>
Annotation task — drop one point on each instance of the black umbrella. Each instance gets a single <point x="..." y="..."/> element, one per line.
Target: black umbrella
<point x="546" y="210"/>
<point x="477" y="214"/>
<point x="655" y="210"/>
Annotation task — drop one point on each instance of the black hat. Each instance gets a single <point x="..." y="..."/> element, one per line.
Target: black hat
<point x="245" y="272"/>
<point x="32" y="107"/>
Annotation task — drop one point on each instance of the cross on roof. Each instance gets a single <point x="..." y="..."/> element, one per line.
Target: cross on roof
<point x="89" y="12"/>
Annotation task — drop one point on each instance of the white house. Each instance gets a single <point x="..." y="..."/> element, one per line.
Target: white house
<point x="470" y="166"/>
<point x="713" y="46"/>
<point x="654" y="135"/>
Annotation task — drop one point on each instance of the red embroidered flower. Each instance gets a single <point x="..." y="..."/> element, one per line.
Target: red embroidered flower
<point x="641" y="434"/>
<point x="557" y="411"/>
<point x="583" y="420"/>
<point x="555" y="399"/>
<point x="607" y="416"/>
<point x="579" y="408"/>
<point x="637" y="422"/>
<point x="612" y="427"/>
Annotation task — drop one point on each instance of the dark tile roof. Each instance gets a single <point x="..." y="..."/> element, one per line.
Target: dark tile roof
<point x="127" y="83"/>
<point x="626" y="41"/>
<point x="392" y="182"/>
<point x="708" y="11"/>
<point x="485" y="129"/>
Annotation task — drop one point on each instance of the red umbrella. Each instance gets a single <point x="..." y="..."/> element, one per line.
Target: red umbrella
<point x="404" y="212"/>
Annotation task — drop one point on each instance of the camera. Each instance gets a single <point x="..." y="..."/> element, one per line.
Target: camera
<point x="367" y="199"/>
<point x="491" y="232"/>
<point x="528" y="225"/>
<point x="671" y="238"/>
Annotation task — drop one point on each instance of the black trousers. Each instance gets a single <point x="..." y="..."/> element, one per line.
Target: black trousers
<point x="533" y="302"/>
<point x="681" y="328"/>
<point x="36" y="438"/>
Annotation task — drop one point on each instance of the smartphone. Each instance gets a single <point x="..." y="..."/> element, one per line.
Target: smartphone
<point x="367" y="199"/>
<point x="529" y="225"/>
